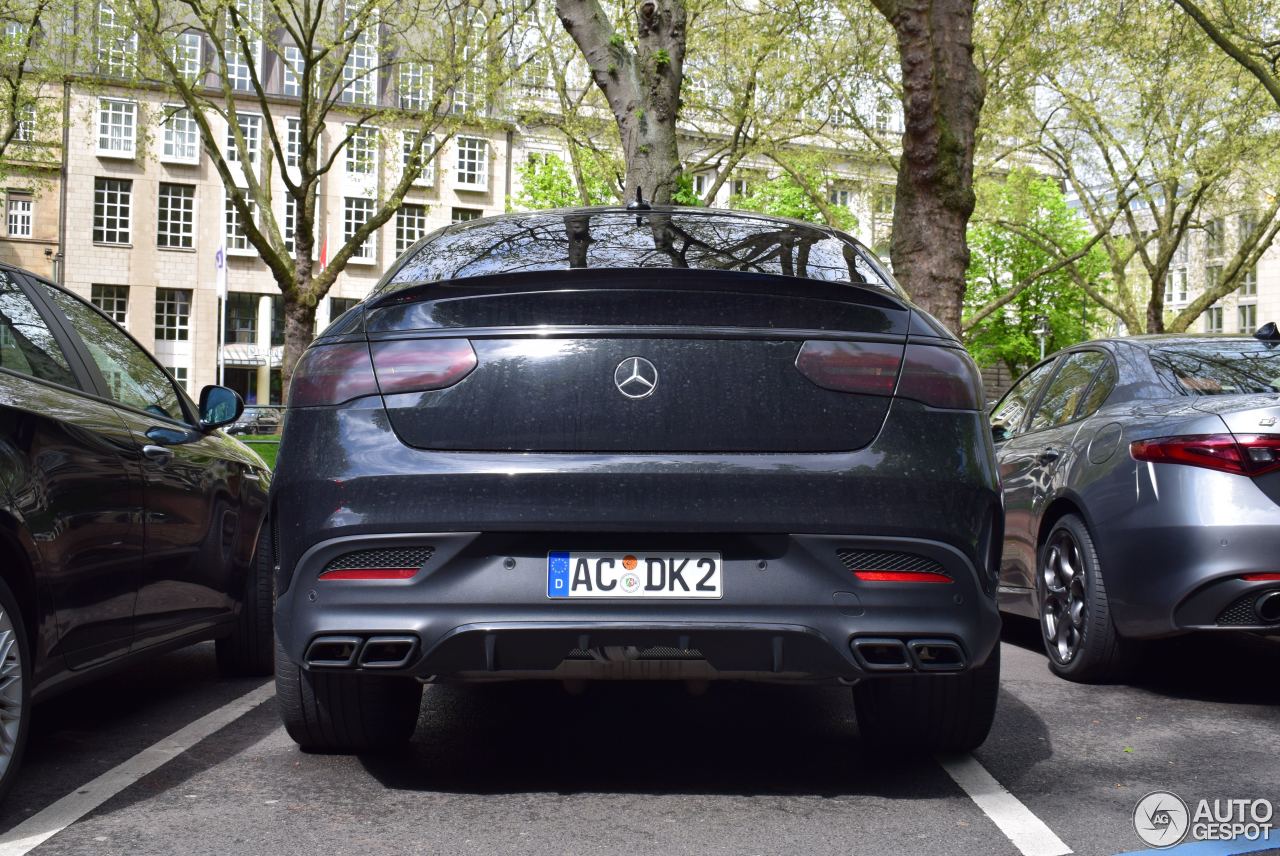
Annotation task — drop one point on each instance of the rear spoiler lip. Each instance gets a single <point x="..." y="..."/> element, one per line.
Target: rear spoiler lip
<point x="637" y="279"/>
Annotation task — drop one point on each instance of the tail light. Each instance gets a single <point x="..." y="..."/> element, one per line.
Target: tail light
<point x="1261" y="578"/>
<point x="941" y="377"/>
<point x="1246" y="454"/>
<point x="936" y="376"/>
<point x="416" y="365"/>
<point x="901" y="577"/>
<point x="335" y="374"/>
<point x="332" y="374"/>
<point x="869" y="368"/>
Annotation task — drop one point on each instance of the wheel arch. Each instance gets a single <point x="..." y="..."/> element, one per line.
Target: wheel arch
<point x="1061" y="506"/>
<point x="17" y="569"/>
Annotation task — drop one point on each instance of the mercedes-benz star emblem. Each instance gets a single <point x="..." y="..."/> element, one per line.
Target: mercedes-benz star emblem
<point x="635" y="377"/>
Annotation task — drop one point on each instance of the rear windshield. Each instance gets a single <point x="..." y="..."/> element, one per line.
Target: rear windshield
<point x="615" y="239"/>
<point x="1212" y="368"/>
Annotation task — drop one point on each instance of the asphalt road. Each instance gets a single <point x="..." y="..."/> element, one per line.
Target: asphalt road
<point x="638" y="769"/>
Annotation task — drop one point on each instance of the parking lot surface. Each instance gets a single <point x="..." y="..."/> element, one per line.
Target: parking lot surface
<point x="643" y="768"/>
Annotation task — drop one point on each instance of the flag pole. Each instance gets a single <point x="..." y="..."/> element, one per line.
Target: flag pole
<point x="220" y="265"/>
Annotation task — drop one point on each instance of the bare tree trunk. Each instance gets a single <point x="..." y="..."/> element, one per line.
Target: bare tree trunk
<point x="942" y="95"/>
<point x="641" y="86"/>
<point x="299" y="330"/>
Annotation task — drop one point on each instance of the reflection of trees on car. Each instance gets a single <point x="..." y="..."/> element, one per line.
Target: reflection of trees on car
<point x="657" y="239"/>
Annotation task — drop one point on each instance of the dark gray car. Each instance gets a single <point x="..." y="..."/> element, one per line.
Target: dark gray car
<point x="1142" y="493"/>
<point x="667" y="443"/>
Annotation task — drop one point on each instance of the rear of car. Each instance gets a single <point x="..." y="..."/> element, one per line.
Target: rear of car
<point x="1208" y="491"/>
<point x="607" y="444"/>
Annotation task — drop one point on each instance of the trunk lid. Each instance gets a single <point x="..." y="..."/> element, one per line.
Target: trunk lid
<point x="628" y="361"/>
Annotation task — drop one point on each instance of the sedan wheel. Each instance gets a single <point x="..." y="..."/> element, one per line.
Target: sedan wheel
<point x="1064" y="605"/>
<point x="1080" y="635"/>
<point x="14" y="706"/>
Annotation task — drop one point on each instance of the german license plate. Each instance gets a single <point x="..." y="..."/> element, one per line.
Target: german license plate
<point x="636" y="574"/>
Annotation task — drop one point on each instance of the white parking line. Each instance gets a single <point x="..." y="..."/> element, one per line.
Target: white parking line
<point x="42" y="826"/>
<point x="1027" y="832"/>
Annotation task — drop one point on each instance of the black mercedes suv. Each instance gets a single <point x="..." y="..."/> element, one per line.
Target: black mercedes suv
<point x="658" y="444"/>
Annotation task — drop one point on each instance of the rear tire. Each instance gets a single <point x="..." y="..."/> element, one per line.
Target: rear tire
<point x="15" y="688"/>
<point x="345" y="712"/>
<point x="1093" y="650"/>
<point x="927" y="713"/>
<point x="249" y="650"/>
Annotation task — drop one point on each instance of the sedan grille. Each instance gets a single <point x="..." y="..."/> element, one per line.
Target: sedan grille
<point x="393" y="557"/>
<point x="888" y="560"/>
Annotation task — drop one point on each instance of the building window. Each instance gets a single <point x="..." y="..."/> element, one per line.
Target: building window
<point x="173" y="314"/>
<point x="462" y="215"/>
<point x="290" y="222"/>
<point x="112" y="207"/>
<point x="1213" y="319"/>
<point x="883" y="115"/>
<point x="356" y="213"/>
<point x="362" y="150"/>
<point x="1248" y="315"/>
<point x="340" y="305"/>
<point x="180" y="375"/>
<point x="186" y="54"/>
<point x="1249" y="282"/>
<point x="24" y="130"/>
<point x="277" y="332"/>
<point x="237" y="238"/>
<point x="358" y="75"/>
<point x="1175" y="290"/>
<point x="175" y="216"/>
<point x="701" y="182"/>
<point x="415" y="86"/>
<point x="839" y="196"/>
<point x="19" y="211"/>
<point x="411" y="224"/>
<point x="251" y="128"/>
<point x="113" y="300"/>
<point x="415" y="152"/>
<point x="292" y="80"/>
<point x="292" y="141"/>
<point x="739" y="187"/>
<point x="180" y="136"/>
<point x="468" y="87"/>
<point x="117" y="43"/>
<point x="241" y="327"/>
<point x="1213" y="238"/>
<point x="1212" y="276"/>
<point x="117" y="127"/>
<point x="473" y="163"/>
<point x="882" y="200"/>
<point x="238" y="65"/>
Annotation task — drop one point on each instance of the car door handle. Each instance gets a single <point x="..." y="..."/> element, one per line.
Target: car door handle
<point x="158" y="454"/>
<point x="1049" y="455"/>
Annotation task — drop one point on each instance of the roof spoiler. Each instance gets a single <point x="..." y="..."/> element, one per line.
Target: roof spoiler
<point x="1268" y="333"/>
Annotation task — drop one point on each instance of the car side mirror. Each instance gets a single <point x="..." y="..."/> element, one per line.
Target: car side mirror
<point x="1000" y="432"/>
<point x="219" y="406"/>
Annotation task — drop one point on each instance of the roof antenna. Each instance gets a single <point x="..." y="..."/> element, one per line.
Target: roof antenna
<point x="1268" y="333"/>
<point x="639" y="204"/>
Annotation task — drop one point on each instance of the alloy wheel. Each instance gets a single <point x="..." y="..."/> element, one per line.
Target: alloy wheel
<point x="1063" y="608"/>
<point x="10" y="691"/>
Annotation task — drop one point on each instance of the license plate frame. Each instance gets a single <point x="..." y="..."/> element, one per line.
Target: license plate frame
<point x="634" y="574"/>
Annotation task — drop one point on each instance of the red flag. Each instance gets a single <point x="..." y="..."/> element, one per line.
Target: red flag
<point x="324" y="253"/>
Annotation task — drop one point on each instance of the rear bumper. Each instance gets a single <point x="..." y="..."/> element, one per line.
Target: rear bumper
<point x="1174" y="562"/>
<point x="790" y="609"/>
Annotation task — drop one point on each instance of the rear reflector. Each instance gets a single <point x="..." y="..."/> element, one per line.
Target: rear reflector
<point x="1261" y="578"/>
<point x="1247" y="454"/>
<point x="869" y="368"/>
<point x="369" y="574"/>
<point x="332" y="374"/>
<point x="417" y="365"/>
<point x="901" y="577"/>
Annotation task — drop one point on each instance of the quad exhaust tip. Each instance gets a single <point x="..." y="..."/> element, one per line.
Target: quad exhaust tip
<point x="921" y="655"/>
<point x="349" y="652"/>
